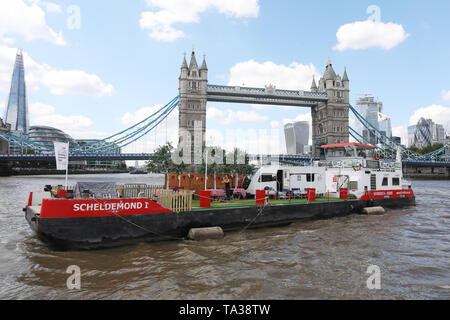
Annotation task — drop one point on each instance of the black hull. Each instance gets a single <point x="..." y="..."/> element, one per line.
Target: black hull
<point x="116" y="230"/>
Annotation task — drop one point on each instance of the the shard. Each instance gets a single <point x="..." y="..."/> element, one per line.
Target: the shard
<point x="17" y="108"/>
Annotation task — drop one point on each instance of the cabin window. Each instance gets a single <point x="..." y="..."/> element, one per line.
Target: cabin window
<point x="310" y="177"/>
<point x="299" y="178"/>
<point x="353" y="185"/>
<point x="372" y="164"/>
<point x="395" y="181"/>
<point x="385" y="182"/>
<point x="267" y="178"/>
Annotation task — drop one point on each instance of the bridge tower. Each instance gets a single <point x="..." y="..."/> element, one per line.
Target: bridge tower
<point x="330" y="120"/>
<point x="193" y="84"/>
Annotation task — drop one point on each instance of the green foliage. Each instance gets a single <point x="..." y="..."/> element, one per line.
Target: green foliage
<point x="163" y="163"/>
<point x="428" y="149"/>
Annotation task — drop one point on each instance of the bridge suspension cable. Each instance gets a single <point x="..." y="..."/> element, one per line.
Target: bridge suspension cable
<point x="128" y="136"/>
<point x="388" y="145"/>
<point x="112" y="143"/>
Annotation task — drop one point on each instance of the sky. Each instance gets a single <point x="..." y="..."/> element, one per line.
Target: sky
<point x="94" y="68"/>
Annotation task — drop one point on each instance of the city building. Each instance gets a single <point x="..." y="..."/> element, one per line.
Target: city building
<point x="16" y="113"/>
<point x="307" y="150"/>
<point x="372" y="111"/>
<point x="398" y="140"/>
<point x="4" y="146"/>
<point x="426" y="133"/>
<point x="411" y="132"/>
<point x="47" y="135"/>
<point x="297" y="136"/>
<point x="102" y="164"/>
<point x="438" y="132"/>
<point x="384" y="124"/>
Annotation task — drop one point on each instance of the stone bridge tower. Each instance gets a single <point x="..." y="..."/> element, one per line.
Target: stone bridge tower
<point x="330" y="120"/>
<point x="193" y="83"/>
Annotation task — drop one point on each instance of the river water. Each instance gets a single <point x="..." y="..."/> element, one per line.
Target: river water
<point x="307" y="260"/>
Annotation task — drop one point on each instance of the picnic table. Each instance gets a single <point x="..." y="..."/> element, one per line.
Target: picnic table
<point x="239" y="193"/>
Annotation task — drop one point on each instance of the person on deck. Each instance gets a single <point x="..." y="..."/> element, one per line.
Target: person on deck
<point x="226" y="180"/>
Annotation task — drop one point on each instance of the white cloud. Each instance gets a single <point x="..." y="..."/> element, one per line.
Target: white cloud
<point x="229" y="116"/>
<point x="51" y="7"/>
<point x="76" y="82"/>
<point x="446" y="95"/>
<point x="59" y="82"/>
<point x="439" y="114"/>
<point x="274" y="124"/>
<point x="17" y="17"/>
<point x="41" y="109"/>
<point x="296" y="76"/>
<point x="401" y="132"/>
<point x="370" y="34"/>
<point x="77" y="126"/>
<point x="166" y="13"/>
<point x="8" y="40"/>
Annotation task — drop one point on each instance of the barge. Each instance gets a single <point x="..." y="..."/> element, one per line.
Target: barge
<point x="347" y="181"/>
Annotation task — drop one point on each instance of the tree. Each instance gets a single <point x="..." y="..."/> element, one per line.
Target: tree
<point x="427" y="149"/>
<point x="162" y="162"/>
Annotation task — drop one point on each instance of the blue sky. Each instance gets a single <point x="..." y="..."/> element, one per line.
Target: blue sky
<point x="95" y="67"/>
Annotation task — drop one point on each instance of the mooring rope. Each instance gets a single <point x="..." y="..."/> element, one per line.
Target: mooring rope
<point x="141" y="227"/>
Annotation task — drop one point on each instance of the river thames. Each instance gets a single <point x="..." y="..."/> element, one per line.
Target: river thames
<point x="307" y="260"/>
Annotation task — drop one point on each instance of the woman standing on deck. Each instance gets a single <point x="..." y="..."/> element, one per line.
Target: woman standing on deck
<point x="226" y="180"/>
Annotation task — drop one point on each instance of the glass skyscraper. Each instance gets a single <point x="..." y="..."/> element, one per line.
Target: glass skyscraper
<point x="296" y="136"/>
<point x="372" y="111"/>
<point x="17" y="108"/>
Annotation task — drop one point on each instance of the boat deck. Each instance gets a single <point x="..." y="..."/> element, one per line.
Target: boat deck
<point x="245" y="203"/>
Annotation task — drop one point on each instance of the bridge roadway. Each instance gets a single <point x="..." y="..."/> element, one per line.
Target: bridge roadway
<point x="269" y="96"/>
<point x="147" y="156"/>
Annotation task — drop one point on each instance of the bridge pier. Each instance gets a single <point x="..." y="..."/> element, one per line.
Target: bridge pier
<point x="426" y="171"/>
<point x="5" y="168"/>
<point x="330" y="119"/>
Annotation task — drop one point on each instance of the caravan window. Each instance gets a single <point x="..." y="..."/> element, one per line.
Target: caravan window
<point x="267" y="178"/>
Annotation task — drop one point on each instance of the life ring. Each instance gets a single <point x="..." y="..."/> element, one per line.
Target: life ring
<point x="357" y="167"/>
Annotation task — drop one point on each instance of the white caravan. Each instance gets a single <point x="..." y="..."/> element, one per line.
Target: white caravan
<point x="350" y="166"/>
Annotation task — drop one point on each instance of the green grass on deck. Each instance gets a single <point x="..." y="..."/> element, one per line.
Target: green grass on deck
<point x="252" y="202"/>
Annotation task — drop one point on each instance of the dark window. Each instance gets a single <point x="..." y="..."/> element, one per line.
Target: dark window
<point x="267" y="178"/>
<point x="395" y="181"/>
<point x="385" y="182"/>
<point x="372" y="164"/>
<point x="310" y="177"/>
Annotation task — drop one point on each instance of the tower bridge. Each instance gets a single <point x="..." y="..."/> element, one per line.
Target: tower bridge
<point x="328" y="100"/>
<point x="329" y="103"/>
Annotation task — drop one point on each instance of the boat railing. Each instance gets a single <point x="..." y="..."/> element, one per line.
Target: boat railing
<point x="123" y="191"/>
<point x="176" y="201"/>
<point x="384" y="166"/>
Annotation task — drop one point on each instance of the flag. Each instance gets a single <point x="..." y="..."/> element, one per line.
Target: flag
<point x="61" y="155"/>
